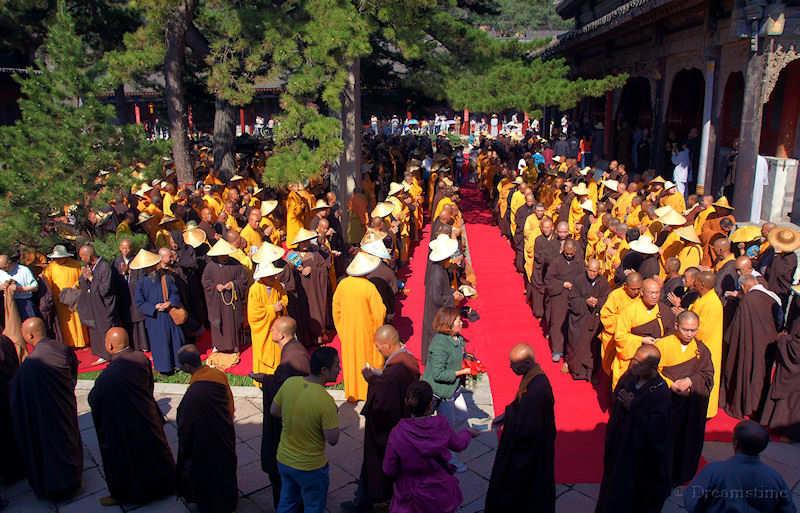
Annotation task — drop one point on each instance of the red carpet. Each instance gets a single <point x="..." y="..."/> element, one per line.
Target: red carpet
<point x="505" y="321"/>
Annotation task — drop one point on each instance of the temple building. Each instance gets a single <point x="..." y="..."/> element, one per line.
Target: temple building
<point x="721" y="76"/>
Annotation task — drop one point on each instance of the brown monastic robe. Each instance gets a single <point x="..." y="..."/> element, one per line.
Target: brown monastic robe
<point x="226" y="309"/>
<point x="382" y="410"/>
<point x="542" y="247"/>
<point x="317" y="288"/>
<point x="780" y="275"/>
<point x="782" y="408"/>
<point x="584" y="324"/>
<point x="438" y="293"/>
<point x="137" y="461"/>
<point x="97" y="305"/>
<point x="385" y="280"/>
<point x="132" y="319"/>
<point x="560" y="270"/>
<point x="519" y="236"/>
<point x="45" y="420"/>
<point x="745" y="374"/>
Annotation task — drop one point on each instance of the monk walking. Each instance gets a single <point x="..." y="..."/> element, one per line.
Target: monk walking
<point x="137" y="461"/>
<point x="45" y="415"/>
<point x="358" y="312"/>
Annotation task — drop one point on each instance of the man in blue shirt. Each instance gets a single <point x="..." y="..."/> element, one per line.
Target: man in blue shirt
<point x="26" y="285"/>
<point x="742" y="483"/>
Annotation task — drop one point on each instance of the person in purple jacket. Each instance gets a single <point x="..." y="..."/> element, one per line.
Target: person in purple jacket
<point x="418" y="454"/>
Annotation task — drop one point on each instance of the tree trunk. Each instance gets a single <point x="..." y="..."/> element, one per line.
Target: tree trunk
<point x="174" y="63"/>
<point x="224" y="134"/>
<point x="119" y="104"/>
<point x="349" y="172"/>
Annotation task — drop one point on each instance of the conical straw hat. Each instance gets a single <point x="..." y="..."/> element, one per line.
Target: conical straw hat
<point x="194" y="237"/>
<point x="303" y="235"/>
<point x="144" y="259"/>
<point x="265" y="270"/>
<point x="221" y="248"/>
<point x="363" y="264"/>
<point x="382" y="210"/>
<point x="376" y="248"/>
<point x="267" y="253"/>
<point x="268" y="206"/>
<point x="688" y="233"/>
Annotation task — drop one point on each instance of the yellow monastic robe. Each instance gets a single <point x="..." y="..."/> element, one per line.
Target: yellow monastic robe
<point x="575" y="215"/>
<point x="517" y="200"/>
<point x="690" y="256"/>
<point x="594" y="193"/>
<point x="60" y="274"/>
<point x="675" y="201"/>
<point x="310" y="202"/>
<point x="593" y="236"/>
<point x="276" y="234"/>
<point x="231" y="223"/>
<point x="672" y="354"/>
<point x="503" y="186"/>
<point x="252" y="237"/>
<point x="701" y="219"/>
<point x="261" y="300"/>
<point x="212" y="180"/>
<point x="617" y="301"/>
<point x="243" y="259"/>
<point x="671" y="247"/>
<point x="296" y="210"/>
<point x="722" y="262"/>
<point x="625" y="342"/>
<point x="213" y="203"/>
<point x="531" y="230"/>
<point x="358" y="312"/>
<point x="440" y="206"/>
<point x="620" y="210"/>
<point x="167" y="204"/>
<point x="709" y="308"/>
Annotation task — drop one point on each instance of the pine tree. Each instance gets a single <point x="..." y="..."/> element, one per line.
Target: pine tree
<point x="52" y="156"/>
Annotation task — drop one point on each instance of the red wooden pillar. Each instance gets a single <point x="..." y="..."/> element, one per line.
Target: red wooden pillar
<point x="137" y="113"/>
<point x="241" y="119"/>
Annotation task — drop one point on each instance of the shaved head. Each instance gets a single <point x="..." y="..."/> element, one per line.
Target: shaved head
<point x="750" y="437"/>
<point x="651" y="292"/>
<point x="644" y="364"/>
<point x="521" y="352"/>
<point x="706" y="280"/>
<point x="722" y="246"/>
<point x="387" y="340"/>
<point x="744" y="265"/>
<point x="285" y="326"/>
<point x="116" y="340"/>
<point x="672" y="266"/>
<point x="593" y="265"/>
<point x="33" y="330"/>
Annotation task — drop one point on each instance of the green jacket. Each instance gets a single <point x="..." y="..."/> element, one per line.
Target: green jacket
<point x="445" y="357"/>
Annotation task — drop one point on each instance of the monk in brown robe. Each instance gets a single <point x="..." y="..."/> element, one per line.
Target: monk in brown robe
<point x="294" y="361"/>
<point x="752" y="329"/>
<point x="780" y="271"/>
<point x="636" y="459"/>
<point x="45" y="415"/>
<point x="541" y="248"/>
<point x="206" y="467"/>
<point x="562" y="272"/>
<point x="782" y="408"/>
<point x="137" y="461"/>
<point x="225" y="283"/>
<point x="384" y="408"/>
<point x="586" y="299"/>
<point x="688" y="371"/>
<point x="520" y="216"/>
<point x="97" y="304"/>
<point x="315" y="280"/>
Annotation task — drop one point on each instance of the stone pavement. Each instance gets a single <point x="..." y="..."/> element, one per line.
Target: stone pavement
<point x="345" y="457"/>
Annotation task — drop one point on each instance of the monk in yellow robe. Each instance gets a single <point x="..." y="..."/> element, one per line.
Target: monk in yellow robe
<point x="624" y="203"/>
<point x="517" y="200"/>
<point x="531" y="230"/>
<point x="617" y="301"/>
<point x="212" y="201"/>
<point x="358" y="312"/>
<point x="709" y="308"/>
<point x="642" y="322"/>
<point x="266" y="301"/>
<point x="674" y="199"/>
<point x="61" y="273"/>
<point x="296" y="210"/>
<point x="251" y="233"/>
<point x="707" y="210"/>
<point x="358" y="205"/>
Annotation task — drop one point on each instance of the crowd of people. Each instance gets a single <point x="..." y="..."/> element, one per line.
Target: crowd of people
<point x="663" y="304"/>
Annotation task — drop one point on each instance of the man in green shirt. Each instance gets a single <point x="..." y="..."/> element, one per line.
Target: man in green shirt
<point x="310" y="420"/>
